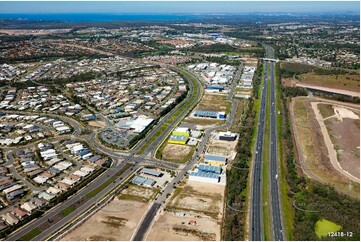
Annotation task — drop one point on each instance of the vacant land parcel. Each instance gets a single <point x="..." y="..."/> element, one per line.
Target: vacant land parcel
<point x="116" y="221"/>
<point x="343" y="127"/>
<point x="314" y="158"/>
<point x="194" y="212"/>
<point x="209" y="102"/>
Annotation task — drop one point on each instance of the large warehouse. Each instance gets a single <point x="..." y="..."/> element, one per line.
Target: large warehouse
<point x="227" y="136"/>
<point x="207" y="173"/>
<point x="143" y="181"/>
<point x="181" y="131"/>
<point x="209" y="114"/>
<point x="215" y="160"/>
<point x="178" y="139"/>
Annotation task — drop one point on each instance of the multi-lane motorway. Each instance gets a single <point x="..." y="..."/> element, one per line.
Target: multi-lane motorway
<point x="274" y="196"/>
<point x="274" y="193"/>
<point x="256" y="209"/>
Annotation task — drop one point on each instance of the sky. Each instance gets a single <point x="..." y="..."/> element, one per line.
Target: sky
<point x="46" y="7"/>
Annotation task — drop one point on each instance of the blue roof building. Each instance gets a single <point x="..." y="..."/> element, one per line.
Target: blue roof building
<point x="205" y="114"/>
<point x="208" y="168"/>
<point x="138" y="180"/>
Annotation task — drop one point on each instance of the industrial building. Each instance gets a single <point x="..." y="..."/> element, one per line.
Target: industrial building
<point x="207" y="173"/>
<point x="142" y="181"/>
<point x="215" y="160"/>
<point x="209" y="114"/>
<point x="227" y="136"/>
<point x="177" y="139"/>
<point x="214" y="88"/>
<point x="152" y="172"/>
<point x="137" y="124"/>
<point x="180" y="131"/>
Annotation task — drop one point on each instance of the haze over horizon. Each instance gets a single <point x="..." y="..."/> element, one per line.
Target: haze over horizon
<point x="164" y="7"/>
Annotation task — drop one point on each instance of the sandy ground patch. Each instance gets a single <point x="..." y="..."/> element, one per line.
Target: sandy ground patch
<point x="345" y="136"/>
<point x="202" y="202"/>
<point x="213" y="102"/>
<point x="174" y="151"/>
<point x="202" y="123"/>
<point x="230" y="146"/>
<point x="170" y="227"/>
<point x="342" y="113"/>
<point x="250" y="61"/>
<point x="116" y="221"/>
<point x="199" y="197"/>
<point x="217" y="150"/>
<point x="138" y="193"/>
<point x="99" y="124"/>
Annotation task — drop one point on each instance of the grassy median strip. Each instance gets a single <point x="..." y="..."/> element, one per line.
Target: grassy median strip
<point x="267" y="228"/>
<point x="100" y="188"/>
<point x="30" y="235"/>
<point x="68" y="210"/>
<point x="286" y="204"/>
<point x="182" y="108"/>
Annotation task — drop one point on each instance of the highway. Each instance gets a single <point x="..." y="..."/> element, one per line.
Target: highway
<point x="256" y="194"/>
<point x="274" y="196"/>
<point x="275" y="192"/>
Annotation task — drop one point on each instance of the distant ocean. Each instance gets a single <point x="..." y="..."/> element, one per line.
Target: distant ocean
<point x="95" y="17"/>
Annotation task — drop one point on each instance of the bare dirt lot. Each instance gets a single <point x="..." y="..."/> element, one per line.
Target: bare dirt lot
<point x="98" y="124"/>
<point x="343" y="126"/>
<point x="176" y="152"/>
<point x="314" y="150"/>
<point x="202" y="123"/>
<point x="250" y="61"/>
<point x="116" y="221"/>
<point x="214" y="102"/>
<point x="170" y="227"/>
<point x="221" y="147"/>
<point x="138" y="193"/>
<point x="201" y="202"/>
